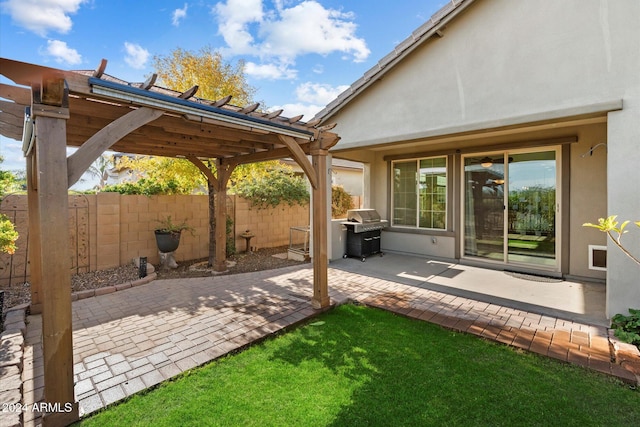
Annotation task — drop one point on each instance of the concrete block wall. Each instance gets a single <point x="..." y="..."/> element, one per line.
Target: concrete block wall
<point x="107" y="236"/>
<point x="122" y="227"/>
<point x="270" y="226"/>
<point x="140" y="216"/>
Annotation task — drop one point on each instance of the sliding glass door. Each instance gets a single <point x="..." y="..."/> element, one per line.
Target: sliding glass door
<point x="532" y="208"/>
<point x="510" y="207"/>
<point x="484" y="207"/>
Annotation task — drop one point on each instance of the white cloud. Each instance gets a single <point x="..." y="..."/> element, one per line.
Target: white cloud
<point x="42" y="16"/>
<point x="312" y="97"/>
<point x="310" y="28"/>
<point x="136" y="56"/>
<point x="270" y="71"/>
<point x="179" y="15"/>
<point x="283" y="34"/>
<point x="234" y="18"/>
<point x="63" y="53"/>
<point x="11" y="150"/>
<point x="318" y="93"/>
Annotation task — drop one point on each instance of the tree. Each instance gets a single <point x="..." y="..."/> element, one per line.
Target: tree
<point x="100" y="170"/>
<point x="7" y="180"/>
<point x="215" y="78"/>
<point x="159" y="175"/>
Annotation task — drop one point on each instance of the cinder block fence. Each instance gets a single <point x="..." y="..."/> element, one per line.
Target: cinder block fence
<point x="109" y="229"/>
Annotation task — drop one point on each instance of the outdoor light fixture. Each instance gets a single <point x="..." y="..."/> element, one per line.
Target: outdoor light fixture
<point x="486" y="162"/>
<point x="499" y="181"/>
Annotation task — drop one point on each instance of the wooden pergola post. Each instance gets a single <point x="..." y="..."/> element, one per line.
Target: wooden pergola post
<point x="320" y="297"/>
<point x="50" y="110"/>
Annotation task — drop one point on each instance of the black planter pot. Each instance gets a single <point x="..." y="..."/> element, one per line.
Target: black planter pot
<point x="167" y="241"/>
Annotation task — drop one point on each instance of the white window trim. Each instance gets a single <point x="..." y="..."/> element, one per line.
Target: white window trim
<point x="446" y="200"/>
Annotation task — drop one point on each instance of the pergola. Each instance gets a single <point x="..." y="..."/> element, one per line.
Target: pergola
<point x="51" y="109"/>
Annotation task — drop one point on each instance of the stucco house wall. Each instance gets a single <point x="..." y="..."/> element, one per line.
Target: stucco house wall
<point x="508" y="74"/>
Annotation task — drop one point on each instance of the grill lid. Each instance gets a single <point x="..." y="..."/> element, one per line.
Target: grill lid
<point x="363" y="216"/>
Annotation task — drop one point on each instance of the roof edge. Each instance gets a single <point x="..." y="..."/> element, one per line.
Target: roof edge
<point x="423" y="33"/>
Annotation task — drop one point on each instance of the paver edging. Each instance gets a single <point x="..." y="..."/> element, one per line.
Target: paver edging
<point x="13" y="331"/>
<point x="626" y="355"/>
<point x="89" y="293"/>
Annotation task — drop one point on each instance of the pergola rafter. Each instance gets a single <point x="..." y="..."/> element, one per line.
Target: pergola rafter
<point x="96" y="112"/>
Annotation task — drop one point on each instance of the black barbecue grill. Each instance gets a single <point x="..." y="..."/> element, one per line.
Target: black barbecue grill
<point x="364" y="228"/>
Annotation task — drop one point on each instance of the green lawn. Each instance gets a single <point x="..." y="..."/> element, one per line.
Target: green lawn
<point x="361" y="366"/>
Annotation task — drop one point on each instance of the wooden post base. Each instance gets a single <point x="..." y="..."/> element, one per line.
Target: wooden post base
<point x="319" y="304"/>
<point x="62" y="418"/>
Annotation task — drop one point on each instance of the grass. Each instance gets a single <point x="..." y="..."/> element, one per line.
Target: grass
<point x="361" y="366"/>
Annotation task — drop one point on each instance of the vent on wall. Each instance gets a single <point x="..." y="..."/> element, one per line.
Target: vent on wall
<point x="597" y="257"/>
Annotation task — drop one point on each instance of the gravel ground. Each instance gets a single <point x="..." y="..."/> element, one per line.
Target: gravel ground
<point x="262" y="259"/>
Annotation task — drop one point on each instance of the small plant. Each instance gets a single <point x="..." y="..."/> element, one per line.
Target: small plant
<point x="610" y="226"/>
<point x="168" y="226"/>
<point x="8" y="235"/>
<point x="627" y="328"/>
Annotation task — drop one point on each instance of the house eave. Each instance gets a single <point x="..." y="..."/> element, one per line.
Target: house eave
<point x="591" y="112"/>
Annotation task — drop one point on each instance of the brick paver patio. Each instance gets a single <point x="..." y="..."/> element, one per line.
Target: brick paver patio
<point x="129" y="340"/>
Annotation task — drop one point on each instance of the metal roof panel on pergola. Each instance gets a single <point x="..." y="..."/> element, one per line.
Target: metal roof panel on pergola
<point x="50" y="109"/>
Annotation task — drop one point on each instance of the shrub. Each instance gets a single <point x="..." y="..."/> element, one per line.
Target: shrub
<point x="8" y="235"/>
<point x="271" y="189"/>
<point x="627" y="328"/>
<point x="341" y="201"/>
<point x="144" y="187"/>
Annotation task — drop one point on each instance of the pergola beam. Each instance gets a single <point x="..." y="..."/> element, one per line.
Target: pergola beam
<point x="300" y="157"/>
<point x="19" y="95"/>
<point x="204" y="169"/>
<point x="263" y="156"/>
<point x="82" y="159"/>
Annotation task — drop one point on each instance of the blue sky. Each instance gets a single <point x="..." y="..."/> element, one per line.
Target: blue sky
<point x="299" y="54"/>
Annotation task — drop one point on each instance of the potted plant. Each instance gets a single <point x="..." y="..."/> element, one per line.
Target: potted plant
<point x="168" y="234"/>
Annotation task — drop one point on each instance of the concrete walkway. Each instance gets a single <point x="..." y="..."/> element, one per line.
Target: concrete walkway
<point x="136" y="338"/>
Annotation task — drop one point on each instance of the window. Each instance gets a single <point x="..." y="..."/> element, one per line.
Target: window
<point x="420" y="193"/>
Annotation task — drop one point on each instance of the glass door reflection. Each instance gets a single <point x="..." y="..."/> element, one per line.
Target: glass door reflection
<point x="484" y="207"/>
<point x="522" y="186"/>
<point x="532" y="208"/>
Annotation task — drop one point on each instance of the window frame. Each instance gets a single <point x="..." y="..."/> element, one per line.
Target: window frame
<point x="445" y="212"/>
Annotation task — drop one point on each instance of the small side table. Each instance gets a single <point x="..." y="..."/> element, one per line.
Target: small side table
<point x="247" y="236"/>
